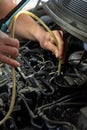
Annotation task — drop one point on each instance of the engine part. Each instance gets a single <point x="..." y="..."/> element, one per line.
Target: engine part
<point x="44" y="100"/>
<point x="70" y="15"/>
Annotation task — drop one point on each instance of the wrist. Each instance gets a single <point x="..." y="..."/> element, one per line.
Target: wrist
<point x="40" y="36"/>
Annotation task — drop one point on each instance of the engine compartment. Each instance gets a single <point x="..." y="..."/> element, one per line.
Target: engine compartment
<point x="44" y="100"/>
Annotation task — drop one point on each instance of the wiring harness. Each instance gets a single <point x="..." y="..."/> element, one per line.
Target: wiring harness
<point x="45" y="100"/>
<point x="13" y="69"/>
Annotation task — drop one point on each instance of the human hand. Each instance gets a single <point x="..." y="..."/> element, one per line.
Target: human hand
<point x="8" y="50"/>
<point x="47" y="42"/>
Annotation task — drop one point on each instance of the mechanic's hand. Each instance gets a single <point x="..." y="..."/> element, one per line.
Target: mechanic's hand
<point x="8" y="50"/>
<point x="48" y="43"/>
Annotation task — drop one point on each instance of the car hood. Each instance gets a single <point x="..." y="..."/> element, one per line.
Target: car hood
<point x="71" y="15"/>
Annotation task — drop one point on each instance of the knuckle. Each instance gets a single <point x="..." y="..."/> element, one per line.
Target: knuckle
<point x="16" y="43"/>
<point x="45" y="45"/>
<point x="15" y="52"/>
<point x="56" y="32"/>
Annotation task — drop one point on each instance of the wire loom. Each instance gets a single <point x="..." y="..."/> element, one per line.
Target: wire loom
<point x="13" y="69"/>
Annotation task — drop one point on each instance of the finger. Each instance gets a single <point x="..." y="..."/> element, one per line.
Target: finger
<point x="61" y="33"/>
<point x="3" y="35"/>
<point x="9" y="61"/>
<point x="60" y="43"/>
<point x="10" y="42"/>
<point x="11" y="51"/>
<point x="54" y="50"/>
<point x="51" y="47"/>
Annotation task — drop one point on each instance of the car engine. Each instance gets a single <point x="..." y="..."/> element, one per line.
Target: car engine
<point x="44" y="99"/>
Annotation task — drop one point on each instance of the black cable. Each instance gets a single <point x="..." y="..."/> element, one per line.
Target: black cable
<point x="31" y="114"/>
<point x="82" y="57"/>
<point x="29" y="111"/>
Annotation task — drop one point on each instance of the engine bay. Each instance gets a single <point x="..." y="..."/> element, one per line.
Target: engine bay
<point x="44" y="100"/>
